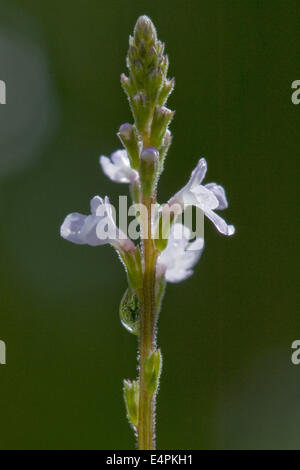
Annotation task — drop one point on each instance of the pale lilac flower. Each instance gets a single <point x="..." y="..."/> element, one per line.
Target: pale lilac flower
<point x="118" y="168"/>
<point x="97" y="228"/>
<point x="209" y="198"/>
<point x="179" y="257"/>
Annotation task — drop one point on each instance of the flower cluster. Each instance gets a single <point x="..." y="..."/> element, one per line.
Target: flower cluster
<point x="177" y="260"/>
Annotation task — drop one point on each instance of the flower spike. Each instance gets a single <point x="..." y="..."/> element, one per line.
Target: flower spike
<point x="165" y="252"/>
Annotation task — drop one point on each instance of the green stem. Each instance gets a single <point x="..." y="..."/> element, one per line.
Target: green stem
<point x="147" y="340"/>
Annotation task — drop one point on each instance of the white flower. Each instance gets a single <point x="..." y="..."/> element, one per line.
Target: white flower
<point x="208" y="198"/>
<point x="179" y="257"/>
<point x="118" y="168"/>
<point x="98" y="228"/>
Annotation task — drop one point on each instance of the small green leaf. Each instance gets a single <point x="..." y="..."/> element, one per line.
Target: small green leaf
<point x="153" y="365"/>
<point x="131" y="397"/>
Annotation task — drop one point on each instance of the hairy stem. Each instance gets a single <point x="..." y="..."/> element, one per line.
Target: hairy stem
<point x="147" y="340"/>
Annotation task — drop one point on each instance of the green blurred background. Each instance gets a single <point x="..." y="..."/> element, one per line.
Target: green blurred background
<point x="226" y="334"/>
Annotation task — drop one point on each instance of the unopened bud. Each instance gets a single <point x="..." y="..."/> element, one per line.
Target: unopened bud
<point x="131" y="397"/>
<point x="166" y="90"/>
<point x="141" y="111"/>
<point x="167" y="140"/>
<point x="144" y="29"/>
<point x="160" y="47"/>
<point x="161" y="119"/>
<point x="153" y="365"/>
<point x="155" y="80"/>
<point x="127" y="85"/>
<point x="165" y="64"/>
<point x="129" y="138"/>
<point x="148" y="164"/>
<point x="139" y="99"/>
<point x="125" y="131"/>
<point x="150" y="155"/>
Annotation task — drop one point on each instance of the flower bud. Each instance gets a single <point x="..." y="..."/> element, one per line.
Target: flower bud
<point x="155" y="80"/>
<point x="166" y="90"/>
<point x="125" y="131"/>
<point x="141" y="110"/>
<point x="152" y="371"/>
<point x="144" y="29"/>
<point x="148" y="164"/>
<point x="131" y="397"/>
<point x="160" y="47"/>
<point x="161" y="119"/>
<point x="127" y="85"/>
<point x="150" y="155"/>
<point x="167" y="140"/>
<point x="129" y="138"/>
<point x="165" y="64"/>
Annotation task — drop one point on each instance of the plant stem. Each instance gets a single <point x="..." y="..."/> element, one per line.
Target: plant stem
<point x="147" y="340"/>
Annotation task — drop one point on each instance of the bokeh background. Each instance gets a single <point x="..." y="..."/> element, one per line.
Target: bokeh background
<point x="226" y="334"/>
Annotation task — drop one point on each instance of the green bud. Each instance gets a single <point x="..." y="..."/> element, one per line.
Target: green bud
<point x="165" y="91"/>
<point x="160" y="47"/>
<point x="131" y="397"/>
<point x="164" y="64"/>
<point x="132" y="53"/>
<point x="145" y="30"/>
<point x="127" y="85"/>
<point x="155" y="80"/>
<point x="163" y="151"/>
<point x="152" y="370"/>
<point x="141" y="110"/>
<point x="148" y="164"/>
<point x="161" y="119"/>
<point x="129" y="312"/>
<point x="137" y="74"/>
<point x="147" y="66"/>
<point x="147" y="88"/>
<point x="129" y="138"/>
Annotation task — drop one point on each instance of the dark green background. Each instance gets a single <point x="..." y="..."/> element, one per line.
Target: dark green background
<point x="225" y="334"/>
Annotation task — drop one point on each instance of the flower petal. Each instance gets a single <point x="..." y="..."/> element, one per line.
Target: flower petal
<point x="179" y="257"/>
<point x="220" y="223"/>
<point x="95" y="203"/>
<point x="198" y="174"/>
<point x="118" y="168"/>
<point x="208" y="198"/>
<point x="177" y="275"/>
<point x="120" y="159"/>
<point x="186" y="195"/>
<point x="80" y="229"/>
<point x="204" y="198"/>
<point x="220" y="194"/>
